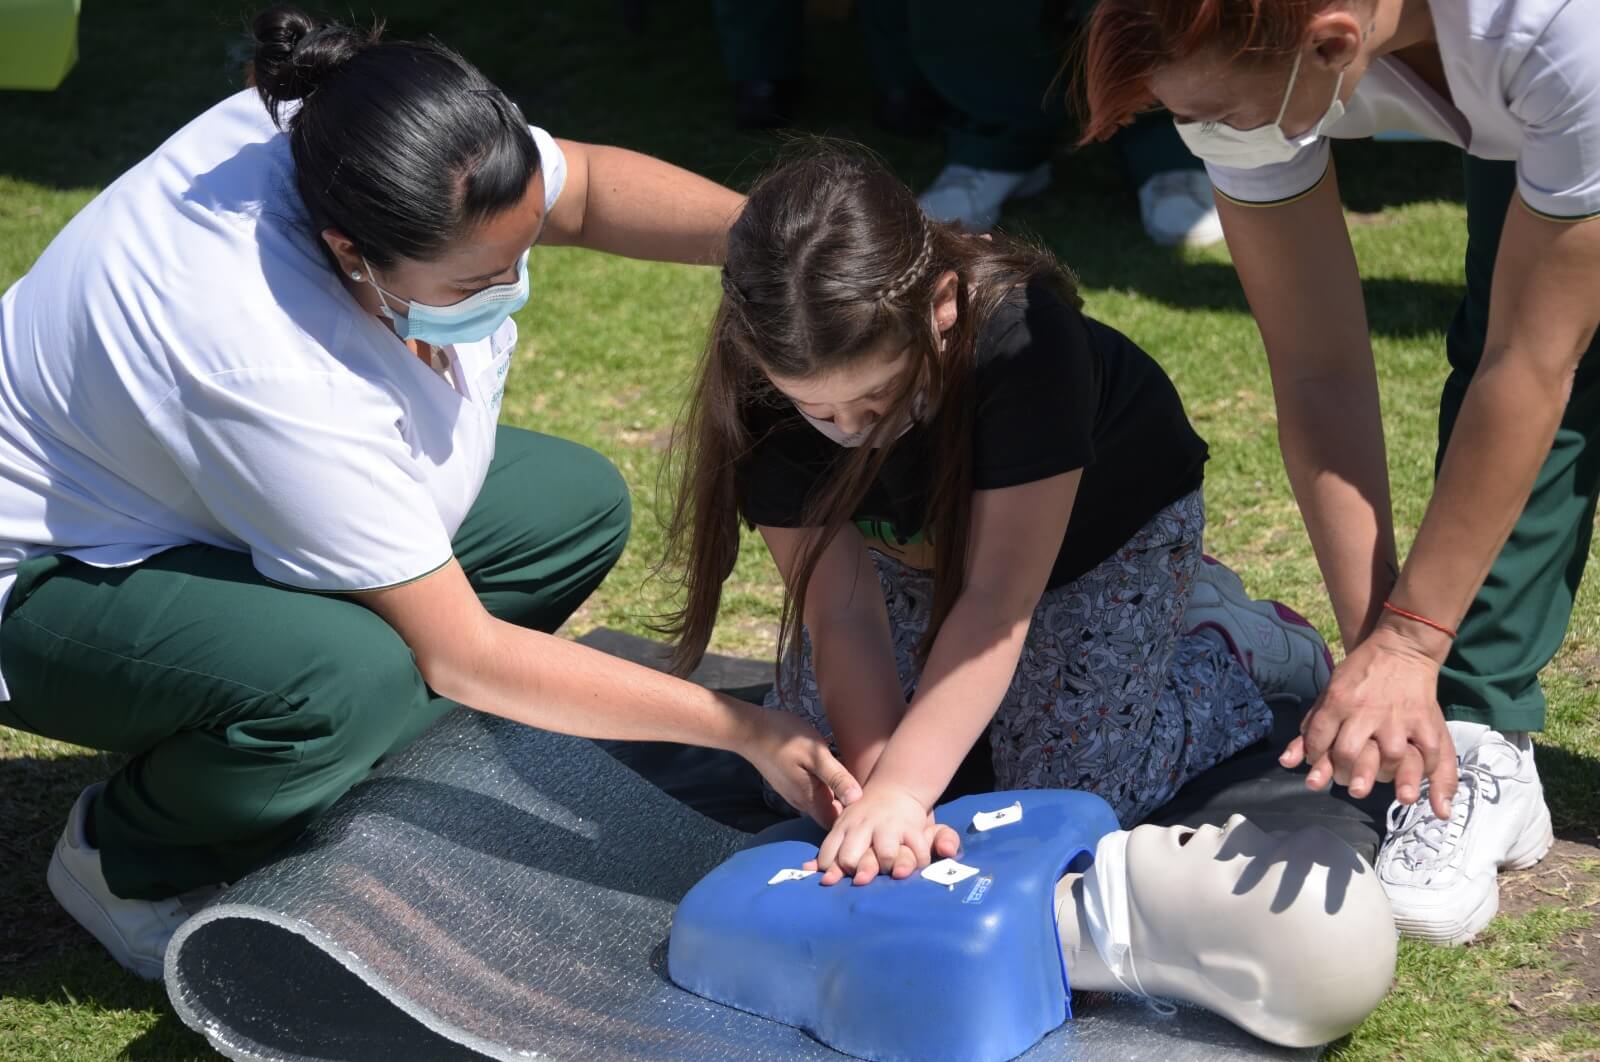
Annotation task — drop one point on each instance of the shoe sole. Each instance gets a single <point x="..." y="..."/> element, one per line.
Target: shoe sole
<point x="1455" y="933"/>
<point x="78" y="902"/>
<point x="1537" y="844"/>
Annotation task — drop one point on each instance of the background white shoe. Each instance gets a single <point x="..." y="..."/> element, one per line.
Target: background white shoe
<point x="1177" y="208"/>
<point x="1283" y="653"/>
<point x="135" y="932"/>
<point x="1441" y="874"/>
<point x="973" y="197"/>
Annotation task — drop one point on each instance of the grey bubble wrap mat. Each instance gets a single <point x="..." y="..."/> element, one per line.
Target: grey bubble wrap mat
<point x="500" y="892"/>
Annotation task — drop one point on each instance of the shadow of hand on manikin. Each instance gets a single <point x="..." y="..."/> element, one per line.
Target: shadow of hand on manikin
<point x="1287" y="935"/>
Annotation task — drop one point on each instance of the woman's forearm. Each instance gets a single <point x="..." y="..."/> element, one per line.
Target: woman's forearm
<point x="554" y="684"/>
<point x="1507" y="422"/>
<point x="1331" y="437"/>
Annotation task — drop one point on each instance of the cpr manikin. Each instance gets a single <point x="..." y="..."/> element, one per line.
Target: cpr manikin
<point x="1289" y="936"/>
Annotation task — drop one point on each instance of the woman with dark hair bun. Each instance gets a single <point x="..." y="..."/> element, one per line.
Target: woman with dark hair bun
<point x="258" y="525"/>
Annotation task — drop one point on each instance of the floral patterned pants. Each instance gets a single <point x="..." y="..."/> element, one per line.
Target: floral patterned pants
<point x="1110" y="695"/>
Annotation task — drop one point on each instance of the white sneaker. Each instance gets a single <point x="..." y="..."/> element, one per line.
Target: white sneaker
<point x="1176" y="208"/>
<point x="1282" y="652"/>
<point x="135" y="932"/>
<point x="973" y="197"/>
<point x="1440" y="874"/>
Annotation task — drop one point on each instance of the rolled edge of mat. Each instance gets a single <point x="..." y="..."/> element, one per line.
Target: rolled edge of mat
<point x="189" y="995"/>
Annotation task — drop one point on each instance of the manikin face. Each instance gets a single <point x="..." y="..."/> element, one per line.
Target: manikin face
<point x="1289" y="935"/>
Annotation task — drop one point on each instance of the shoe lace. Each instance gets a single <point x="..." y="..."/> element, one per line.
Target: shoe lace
<point x="1423" y="839"/>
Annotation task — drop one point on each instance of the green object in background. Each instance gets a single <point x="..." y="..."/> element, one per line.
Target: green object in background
<point x="38" y="42"/>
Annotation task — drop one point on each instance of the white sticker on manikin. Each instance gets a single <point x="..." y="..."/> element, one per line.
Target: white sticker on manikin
<point x="988" y="820"/>
<point x="789" y="875"/>
<point x="948" y="872"/>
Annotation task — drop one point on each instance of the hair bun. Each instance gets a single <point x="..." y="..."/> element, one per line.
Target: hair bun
<point x="296" y="52"/>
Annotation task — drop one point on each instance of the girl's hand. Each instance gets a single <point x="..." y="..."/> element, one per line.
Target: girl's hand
<point x="887" y="829"/>
<point x="796" y="762"/>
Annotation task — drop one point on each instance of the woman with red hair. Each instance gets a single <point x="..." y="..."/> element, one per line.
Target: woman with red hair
<point x="1440" y="685"/>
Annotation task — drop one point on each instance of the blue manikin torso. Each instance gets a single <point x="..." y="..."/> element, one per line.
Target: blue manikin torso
<point x="898" y="970"/>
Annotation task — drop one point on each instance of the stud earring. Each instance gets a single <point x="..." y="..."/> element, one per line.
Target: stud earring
<point x="355" y="274"/>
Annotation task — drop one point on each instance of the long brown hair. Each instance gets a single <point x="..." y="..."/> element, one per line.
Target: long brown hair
<point x="830" y="261"/>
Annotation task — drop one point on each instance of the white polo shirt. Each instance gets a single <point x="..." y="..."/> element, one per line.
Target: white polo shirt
<point x="182" y="365"/>
<point x="1524" y="78"/>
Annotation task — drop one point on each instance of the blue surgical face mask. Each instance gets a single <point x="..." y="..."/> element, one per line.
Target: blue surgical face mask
<point x="474" y="318"/>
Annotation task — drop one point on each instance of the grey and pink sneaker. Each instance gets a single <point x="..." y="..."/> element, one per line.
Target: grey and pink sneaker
<point x="1283" y="653"/>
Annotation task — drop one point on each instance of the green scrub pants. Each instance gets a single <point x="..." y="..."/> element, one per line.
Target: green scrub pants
<point x="1519" y="618"/>
<point x="764" y="40"/>
<point x="996" y="65"/>
<point x="249" y="708"/>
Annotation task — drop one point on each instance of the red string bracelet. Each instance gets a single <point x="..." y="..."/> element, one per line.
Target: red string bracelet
<point x="1424" y="620"/>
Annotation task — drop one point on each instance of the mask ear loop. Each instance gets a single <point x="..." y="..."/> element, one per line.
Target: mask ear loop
<point x="383" y="296"/>
<point x="1288" y="93"/>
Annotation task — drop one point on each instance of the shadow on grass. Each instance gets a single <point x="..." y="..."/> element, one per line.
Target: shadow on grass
<point x="1571" y="788"/>
<point x="99" y="1003"/>
<point x="36" y="792"/>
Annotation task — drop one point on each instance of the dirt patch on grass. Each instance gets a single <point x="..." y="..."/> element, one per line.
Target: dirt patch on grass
<point x="1560" y="998"/>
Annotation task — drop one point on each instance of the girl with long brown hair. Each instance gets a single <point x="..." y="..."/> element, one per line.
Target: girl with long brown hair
<point x="985" y="506"/>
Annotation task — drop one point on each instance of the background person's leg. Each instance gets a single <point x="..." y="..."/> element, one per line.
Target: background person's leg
<point x="995" y="67"/>
<point x="1175" y="201"/>
<point x="762" y="42"/>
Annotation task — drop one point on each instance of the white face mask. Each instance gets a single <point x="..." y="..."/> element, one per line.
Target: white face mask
<point x="1105" y="902"/>
<point x="1265" y="145"/>
<point x="919" y="406"/>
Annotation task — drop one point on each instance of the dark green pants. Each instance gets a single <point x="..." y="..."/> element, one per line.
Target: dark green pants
<point x="999" y="68"/>
<point x="1519" y="618"/>
<point x="996" y="65"/>
<point x="764" y="40"/>
<point x="248" y="708"/>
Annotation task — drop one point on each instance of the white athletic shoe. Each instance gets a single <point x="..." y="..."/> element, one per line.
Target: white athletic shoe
<point x="1440" y="874"/>
<point x="1282" y="652"/>
<point x="1176" y="208"/>
<point x="973" y="197"/>
<point x="135" y="932"/>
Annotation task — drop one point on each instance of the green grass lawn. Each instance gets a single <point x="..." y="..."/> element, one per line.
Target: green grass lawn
<point x="607" y="348"/>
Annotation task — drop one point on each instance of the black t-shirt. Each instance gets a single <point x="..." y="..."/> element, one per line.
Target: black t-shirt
<point x="1055" y="391"/>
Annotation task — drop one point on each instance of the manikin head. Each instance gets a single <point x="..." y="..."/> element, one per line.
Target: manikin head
<point x="1288" y="935"/>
